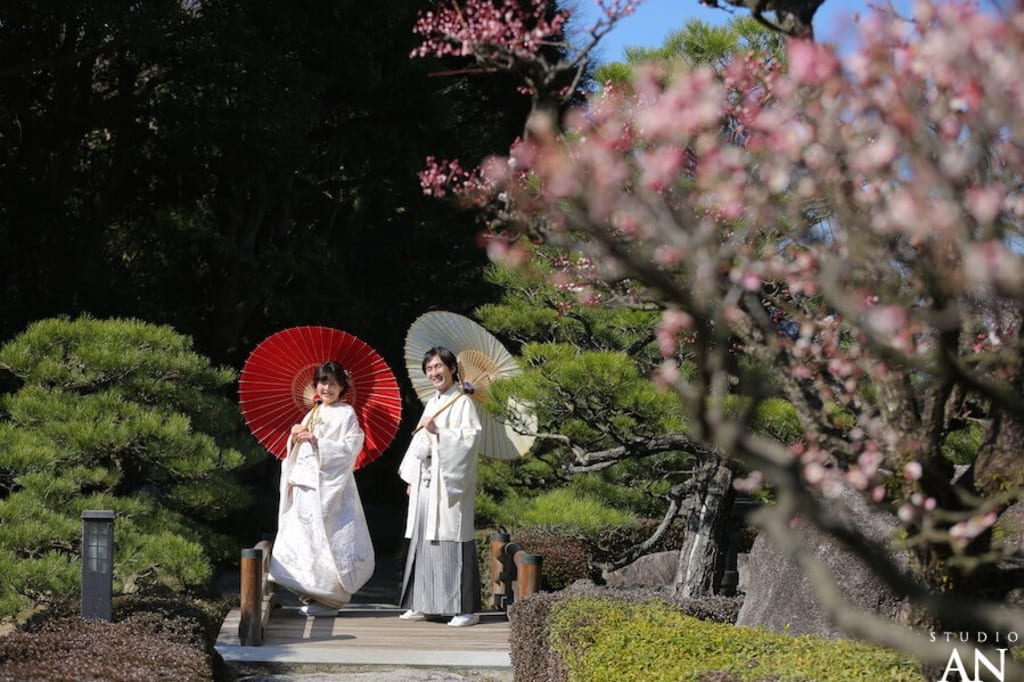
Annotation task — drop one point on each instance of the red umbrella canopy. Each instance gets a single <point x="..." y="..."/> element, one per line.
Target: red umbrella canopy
<point x="275" y="389"/>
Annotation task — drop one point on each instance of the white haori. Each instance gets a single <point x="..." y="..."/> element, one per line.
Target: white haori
<point x="449" y="481"/>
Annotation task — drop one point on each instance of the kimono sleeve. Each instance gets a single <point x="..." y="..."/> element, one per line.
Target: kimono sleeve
<point x="419" y="449"/>
<point x="340" y="444"/>
<point x="304" y="470"/>
<point x="456" y="446"/>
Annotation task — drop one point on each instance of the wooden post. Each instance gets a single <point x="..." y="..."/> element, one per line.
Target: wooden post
<point x="265" y="546"/>
<point x="499" y="589"/>
<point x="529" y="574"/>
<point x="510" y="560"/>
<point x="267" y="587"/>
<point x="250" y="624"/>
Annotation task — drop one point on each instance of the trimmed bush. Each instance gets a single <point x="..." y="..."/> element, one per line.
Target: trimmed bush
<point x="151" y="638"/>
<point x="778" y="418"/>
<point x="571" y="555"/>
<point x="566" y="556"/>
<point x="146" y="429"/>
<point x="72" y="649"/>
<point x="612" y="542"/>
<point x="532" y="656"/>
<point x="597" y="635"/>
<point x="650" y="642"/>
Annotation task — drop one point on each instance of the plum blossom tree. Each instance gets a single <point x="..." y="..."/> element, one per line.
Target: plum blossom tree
<point x="856" y="224"/>
<point x="529" y="38"/>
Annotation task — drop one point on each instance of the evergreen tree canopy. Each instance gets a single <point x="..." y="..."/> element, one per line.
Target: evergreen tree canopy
<point x="120" y="415"/>
<point x="586" y="375"/>
<point x="698" y="42"/>
<point x="232" y="168"/>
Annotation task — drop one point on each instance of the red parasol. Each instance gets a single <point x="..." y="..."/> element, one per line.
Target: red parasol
<point x="275" y="390"/>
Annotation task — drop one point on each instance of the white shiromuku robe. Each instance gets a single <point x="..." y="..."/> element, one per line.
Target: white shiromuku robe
<point x="323" y="549"/>
<point x="441" y="471"/>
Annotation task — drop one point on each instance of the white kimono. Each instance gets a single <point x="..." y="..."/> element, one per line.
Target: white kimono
<point x="451" y="505"/>
<point x="323" y="549"/>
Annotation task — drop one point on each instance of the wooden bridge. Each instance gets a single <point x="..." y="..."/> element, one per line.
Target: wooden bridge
<point x="369" y="634"/>
<point x="267" y="626"/>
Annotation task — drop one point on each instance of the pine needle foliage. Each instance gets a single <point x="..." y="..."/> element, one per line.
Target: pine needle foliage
<point x="586" y="376"/>
<point x="578" y="513"/>
<point x="114" y="414"/>
<point x="698" y="42"/>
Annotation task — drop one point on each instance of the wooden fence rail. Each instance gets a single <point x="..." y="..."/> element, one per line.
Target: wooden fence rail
<point x="515" y="573"/>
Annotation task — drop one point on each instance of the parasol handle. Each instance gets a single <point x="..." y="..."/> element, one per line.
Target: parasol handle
<point x="307" y="421"/>
<point x="443" y="408"/>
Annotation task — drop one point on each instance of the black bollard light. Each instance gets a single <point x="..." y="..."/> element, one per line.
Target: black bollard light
<point x="97" y="564"/>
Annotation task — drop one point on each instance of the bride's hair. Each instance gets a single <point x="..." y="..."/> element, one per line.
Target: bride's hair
<point x="332" y="370"/>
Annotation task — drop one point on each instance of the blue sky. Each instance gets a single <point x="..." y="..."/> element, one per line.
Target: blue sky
<point x="655" y="19"/>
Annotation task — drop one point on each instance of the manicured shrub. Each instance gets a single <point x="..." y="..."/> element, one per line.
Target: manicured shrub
<point x="151" y="638"/>
<point x="532" y="657"/>
<point x="71" y="649"/>
<point x="566" y="556"/>
<point x="599" y="639"/>
<point x="571" y="554"/>
<point x="778" y="418"/>
<point x="195" y="620"/>
<point x="612" y="542"/>
<point x="146" y="429"/>
<point x="599" y="634"/>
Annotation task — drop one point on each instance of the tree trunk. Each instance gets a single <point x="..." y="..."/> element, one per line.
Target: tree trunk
<point x="706" y="514"/>
<point x="997" y="466"/>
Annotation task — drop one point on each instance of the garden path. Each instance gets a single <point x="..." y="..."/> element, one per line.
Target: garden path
<point x="368" y="632"/>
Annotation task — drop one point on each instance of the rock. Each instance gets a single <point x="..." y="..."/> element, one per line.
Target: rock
<point x="779" y="595"/>
<point x="581" y="585"/>
<point x="743" y="571"/>
<point x="1009" y="530"/>
<point x="651" y="570"/>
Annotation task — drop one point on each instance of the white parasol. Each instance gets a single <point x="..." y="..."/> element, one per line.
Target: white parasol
<point x="482" y="360"/>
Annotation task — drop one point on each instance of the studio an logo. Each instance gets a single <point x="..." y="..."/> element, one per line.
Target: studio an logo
<point x="969" y="658"/>
<point x="958" y="668"/>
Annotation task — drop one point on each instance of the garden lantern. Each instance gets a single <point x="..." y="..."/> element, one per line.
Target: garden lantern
<point x="97" y="564"/>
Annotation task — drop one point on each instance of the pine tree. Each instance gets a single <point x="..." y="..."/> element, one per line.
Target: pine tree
<point x="112" y="414"/>
<point x="613" y="448"/>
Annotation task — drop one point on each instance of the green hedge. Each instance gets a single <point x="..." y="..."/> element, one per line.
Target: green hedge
<point x="611" y="640"/>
